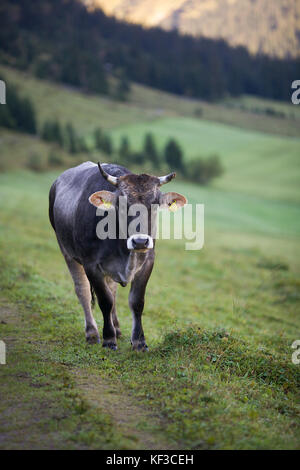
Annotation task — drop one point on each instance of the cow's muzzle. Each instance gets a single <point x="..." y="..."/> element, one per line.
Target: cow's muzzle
<point x="140" y="242"/>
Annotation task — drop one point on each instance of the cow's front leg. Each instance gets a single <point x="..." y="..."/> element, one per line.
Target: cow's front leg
<point x="136" y="304"/>
<point x="106" y="303"/>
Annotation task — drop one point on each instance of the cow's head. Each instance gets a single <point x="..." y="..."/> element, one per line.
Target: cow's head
<point x="141" y="192"/>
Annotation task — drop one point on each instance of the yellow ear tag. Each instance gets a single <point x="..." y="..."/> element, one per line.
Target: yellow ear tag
<point x="173" y="207"/>
<point x="107" y="204"/>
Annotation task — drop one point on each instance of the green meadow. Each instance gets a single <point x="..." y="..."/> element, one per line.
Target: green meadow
<point x="219" y="322"/>
<point x="255" y="163"/>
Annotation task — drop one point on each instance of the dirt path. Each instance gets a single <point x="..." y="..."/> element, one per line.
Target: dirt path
<point x="131" y="419"/>
<point x="20" y="422"/>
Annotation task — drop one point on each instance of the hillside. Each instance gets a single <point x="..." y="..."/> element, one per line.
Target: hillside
<point x="219" y="321"/>
<point x="144" y="104"/>
<point x="251" y="145"/>
<point x="95" y="47"/>
<point x="261" y="26"/>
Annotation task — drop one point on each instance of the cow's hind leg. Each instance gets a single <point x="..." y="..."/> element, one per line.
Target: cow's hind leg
<point x="113" y="288"/>
<point x="83" y="291"/>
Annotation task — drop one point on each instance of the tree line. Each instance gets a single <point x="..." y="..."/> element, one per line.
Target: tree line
<point x="200" y="170"/>
<point x="61" y="40"/>
<point x="19" y="114"/>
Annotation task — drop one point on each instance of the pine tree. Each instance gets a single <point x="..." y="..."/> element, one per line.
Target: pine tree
<point x="107" y="145"/>
<point x="124" y="150"/>
<point x="98" y="135"/>
<point x="174" y="155"/>
<point x="71" y="138"/>
<point x="26" y="116"/>
<point x="150" y="150"/>
<point x="122" y="88"/>
<point x="57" y="132"/>
<point x="18" y="113"/>
<point x="51" y="132"/>
<point x="46" y="133"/>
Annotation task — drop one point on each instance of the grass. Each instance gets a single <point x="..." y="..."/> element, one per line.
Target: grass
<point x="85" y="111"/>
<point x="254" y="104"/>
<point x="219" y="322"/>
<point x="253" y="161"/>
<point x="17" y="149"/>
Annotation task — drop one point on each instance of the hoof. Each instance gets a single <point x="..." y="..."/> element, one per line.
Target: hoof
<point x="140" y="346"/>
<point x="93" y="339"/>
<point x="110" y="344"/>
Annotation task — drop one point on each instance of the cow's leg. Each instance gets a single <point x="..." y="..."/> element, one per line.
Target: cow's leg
<point x="136" y="304"/>
<point x="83" y="291"/>
<point x="113" y="288"/>
<point x="106" y="304"/>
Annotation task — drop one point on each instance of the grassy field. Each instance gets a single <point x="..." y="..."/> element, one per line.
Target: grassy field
<point x="253" y="161"/>
<point x="251" y="103"/>
<point x="219" y="322"/>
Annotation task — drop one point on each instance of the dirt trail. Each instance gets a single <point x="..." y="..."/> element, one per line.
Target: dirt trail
<point x="130" y="418"/>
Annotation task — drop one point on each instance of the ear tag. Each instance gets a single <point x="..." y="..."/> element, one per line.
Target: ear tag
<point x="173" y="207"/>
<point x="106" y="204"/>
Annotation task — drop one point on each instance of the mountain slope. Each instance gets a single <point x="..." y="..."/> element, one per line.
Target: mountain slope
<point x="262" y="26"/>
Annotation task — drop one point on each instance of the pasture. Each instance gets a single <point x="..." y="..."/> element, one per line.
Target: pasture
<point x="254" y="162"/>
<point x="219" y="322"/>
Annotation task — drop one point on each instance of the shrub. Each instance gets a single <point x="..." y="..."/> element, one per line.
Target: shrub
<point x="34" y="162"/>
<point x="103" y="141"/>
<point x="82" y="145"/>
<point x="198" y="112"/>
<point x="54" y="159"/>
<point x="137" y="158"/>
<point x="51" y="132"/>
<point x="203" y="170"/>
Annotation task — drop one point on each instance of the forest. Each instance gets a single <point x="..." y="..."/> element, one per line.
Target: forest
<point x="65" y="41"/>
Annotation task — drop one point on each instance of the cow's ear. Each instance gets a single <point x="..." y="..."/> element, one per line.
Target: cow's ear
<point x="172" y="201"/>
<point x="103" y="199"/>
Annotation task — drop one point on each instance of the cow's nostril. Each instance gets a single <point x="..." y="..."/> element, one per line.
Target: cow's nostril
<point x="140" y="243"/>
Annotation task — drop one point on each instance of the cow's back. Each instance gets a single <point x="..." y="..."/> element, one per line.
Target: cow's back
<point x="71" y="215"/>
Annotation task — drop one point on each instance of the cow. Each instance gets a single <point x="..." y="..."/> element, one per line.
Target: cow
<point x="98" y="265"/>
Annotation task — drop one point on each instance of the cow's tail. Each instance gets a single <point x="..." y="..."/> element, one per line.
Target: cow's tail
<point x="93" y="296"/>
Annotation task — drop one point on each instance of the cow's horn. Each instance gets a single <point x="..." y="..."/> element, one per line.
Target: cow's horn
<point x="112" y="179"/>
<point x="167" y="178"/>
